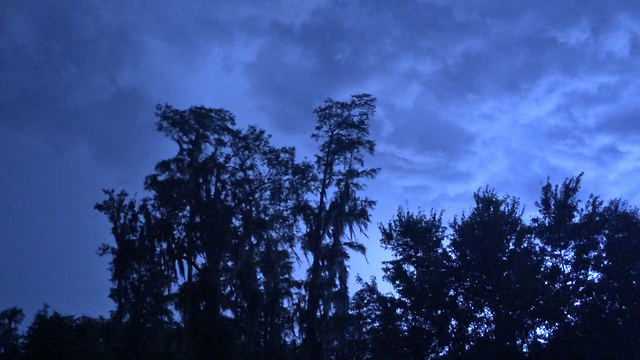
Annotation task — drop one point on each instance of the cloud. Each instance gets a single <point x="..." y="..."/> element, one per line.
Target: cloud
<point x="469" y="93"/>
<point x="490" y="88"/>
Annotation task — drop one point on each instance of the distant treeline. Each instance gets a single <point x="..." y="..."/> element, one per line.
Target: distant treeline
<point x="203" y="268"/>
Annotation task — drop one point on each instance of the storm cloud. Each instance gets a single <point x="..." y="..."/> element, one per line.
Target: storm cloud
<point x="469" y="93"/>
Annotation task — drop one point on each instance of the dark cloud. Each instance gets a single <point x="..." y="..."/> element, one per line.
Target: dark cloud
<point x="65" y="75"/>
<point x="622" y="122"/>
<point x="470" y="93"/>
<point x="427" y="132"/>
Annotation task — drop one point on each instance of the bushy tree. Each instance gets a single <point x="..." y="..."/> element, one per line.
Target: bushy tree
<point x="489" y="285"/>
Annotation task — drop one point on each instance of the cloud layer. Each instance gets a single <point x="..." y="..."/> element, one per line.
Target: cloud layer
<point x="469" y="92"/>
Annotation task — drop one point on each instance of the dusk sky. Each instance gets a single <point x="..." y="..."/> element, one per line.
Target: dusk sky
<point x="470" y="93"/>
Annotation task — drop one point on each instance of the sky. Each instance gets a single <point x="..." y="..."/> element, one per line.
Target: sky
<point x="470" y="93"/>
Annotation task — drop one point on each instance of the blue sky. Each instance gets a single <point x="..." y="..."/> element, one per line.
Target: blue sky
<point x="470" y="93"/>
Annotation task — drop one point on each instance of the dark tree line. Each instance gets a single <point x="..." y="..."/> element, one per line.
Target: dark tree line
<point x="203" y="267"/>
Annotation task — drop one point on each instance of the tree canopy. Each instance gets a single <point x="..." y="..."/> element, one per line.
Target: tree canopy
<point x="204" y="266"/>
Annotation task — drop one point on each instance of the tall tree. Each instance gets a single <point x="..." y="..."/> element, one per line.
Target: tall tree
<point x="190" y="193"/>
<point x="228" y="203"/>
<point x="334" y="217"/>
<point x="217" y="236"/>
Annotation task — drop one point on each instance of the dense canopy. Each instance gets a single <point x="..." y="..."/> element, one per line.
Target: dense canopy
<point x="204" y="266"/>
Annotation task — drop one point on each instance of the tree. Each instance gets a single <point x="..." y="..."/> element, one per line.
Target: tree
<point x="141" y="284"/>
<point x="562" y="232"/>
<point x="220" y="227"/>
<point x="216" y="241"/>
<point x="377" y="325"/>
<point x="563" y="286"/>
<point x="228" y="200"/>
<point x="332" y="220"/>
<point x="420" y="273"/>
<point x="54" y="336"/>
<point x="10" y="319"/>
<point x="592" y="267"/>
<point x="497" y="275"/>
<point x="191" y="195"/>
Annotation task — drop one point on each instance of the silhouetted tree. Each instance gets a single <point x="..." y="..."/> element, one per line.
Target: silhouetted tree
<point x="497" y="274"/>
<point x="491" y="286"/>
<point x="216" y="241"/>
<point x="10" y="319"/>
<point x="141" y="284"/>
<point x="377" y="325"/>
<point x="421" y="275"/>
<point x="595" y="269"/>
<point x="334" y="216"/>
<point x="54" y="336"/>
<point x="228" y="204"/>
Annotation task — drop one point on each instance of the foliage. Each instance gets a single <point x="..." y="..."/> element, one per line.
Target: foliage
<point x="203" y="267"/>
<point x="10" y="319"/>
<point x="491" y="286"/>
